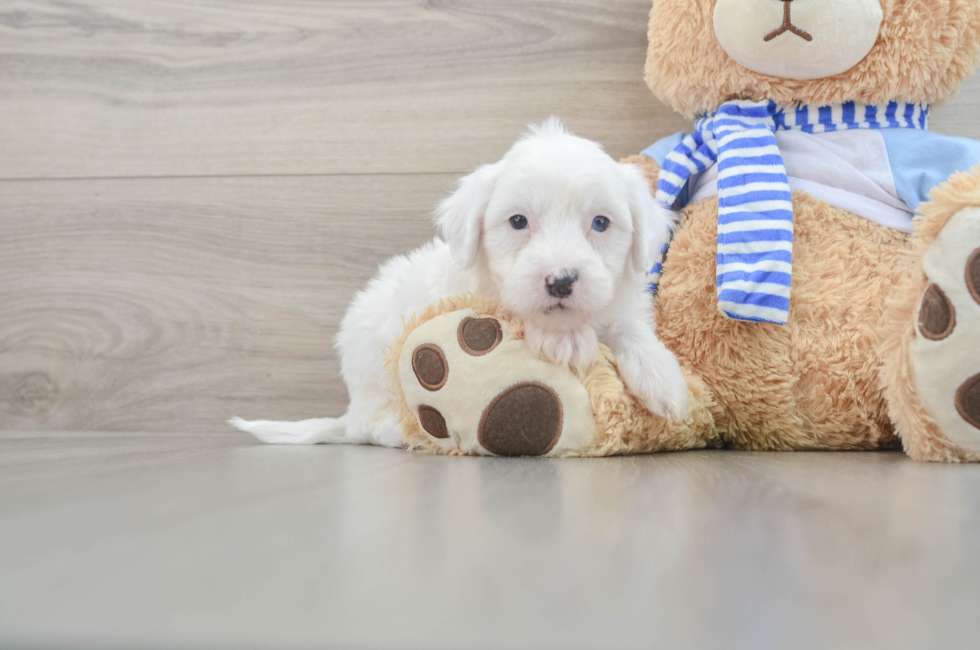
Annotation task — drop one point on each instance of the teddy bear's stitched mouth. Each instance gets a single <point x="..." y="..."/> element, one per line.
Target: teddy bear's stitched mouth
<point x="787" y="25"/>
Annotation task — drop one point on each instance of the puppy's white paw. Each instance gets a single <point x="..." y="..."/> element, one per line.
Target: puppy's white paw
<point x="655" y="378"/>
<point x="388" y="433"/>
<point x="577" y="349"/>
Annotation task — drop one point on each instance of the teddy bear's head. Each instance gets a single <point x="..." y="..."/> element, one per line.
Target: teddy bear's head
<point x="706" y="52"/>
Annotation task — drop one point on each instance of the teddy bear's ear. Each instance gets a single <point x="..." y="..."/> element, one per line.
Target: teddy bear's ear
<point x="652" y="223"/>
<point x="460" y="217"/>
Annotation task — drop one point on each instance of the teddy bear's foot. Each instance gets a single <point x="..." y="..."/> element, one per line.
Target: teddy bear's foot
<point x="474" y="387"/>
<point x="468" y="383"/>
<point x="931" y="335"/>
<point x="946" y="353"/>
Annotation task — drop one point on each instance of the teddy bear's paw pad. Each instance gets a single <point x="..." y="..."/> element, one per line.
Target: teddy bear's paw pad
<point x="946" y="351"/>
<point x="524" y="420"/>
<point x="475" y="387"/>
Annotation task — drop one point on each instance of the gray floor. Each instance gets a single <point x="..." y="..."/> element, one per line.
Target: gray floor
<point x="179" y="541"/>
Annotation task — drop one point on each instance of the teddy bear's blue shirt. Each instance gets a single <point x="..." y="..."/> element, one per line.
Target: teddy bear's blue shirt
<point x="921" y="161"/>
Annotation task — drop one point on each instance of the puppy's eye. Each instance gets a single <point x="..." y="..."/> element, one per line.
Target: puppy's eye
<point x="599" y="224"/>
<point x="518" y="221"/>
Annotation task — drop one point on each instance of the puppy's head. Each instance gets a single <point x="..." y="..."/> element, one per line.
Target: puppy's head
<point x="559" y="226"/>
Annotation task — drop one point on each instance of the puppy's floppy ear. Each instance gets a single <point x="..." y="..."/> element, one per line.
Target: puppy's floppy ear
<point x="460" y="217"/>
<point x="652" y="222"/>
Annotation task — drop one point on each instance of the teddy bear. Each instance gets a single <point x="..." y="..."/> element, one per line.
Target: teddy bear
<point x="822" y="289"/>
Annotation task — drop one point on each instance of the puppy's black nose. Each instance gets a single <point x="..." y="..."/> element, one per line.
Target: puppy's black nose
<point x="561" y="286"/>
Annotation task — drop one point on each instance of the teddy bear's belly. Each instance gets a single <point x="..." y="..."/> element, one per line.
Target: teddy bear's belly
<point x="812" y="383"/>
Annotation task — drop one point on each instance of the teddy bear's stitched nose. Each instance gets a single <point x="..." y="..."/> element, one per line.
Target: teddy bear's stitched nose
<point x="787" y="25"/>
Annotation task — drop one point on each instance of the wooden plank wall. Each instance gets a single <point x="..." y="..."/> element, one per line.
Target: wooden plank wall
<point x="190" y="193"/>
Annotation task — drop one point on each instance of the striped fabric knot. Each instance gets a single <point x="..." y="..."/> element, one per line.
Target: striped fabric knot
<point x="755" y="204"/>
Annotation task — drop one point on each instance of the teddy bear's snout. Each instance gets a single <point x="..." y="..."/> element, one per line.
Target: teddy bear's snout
<point x="787" y="25"/>
<point x="798" y="39"/>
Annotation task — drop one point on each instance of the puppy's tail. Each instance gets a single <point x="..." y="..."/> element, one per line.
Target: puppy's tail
<point x="306" y="432"/>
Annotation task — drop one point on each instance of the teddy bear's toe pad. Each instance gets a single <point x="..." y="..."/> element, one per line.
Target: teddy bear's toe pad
<point x="973" y="275"/>
<point x="430" y="366"/>
<point x="432" y="422"/>
<point x="524" y="420"/>
<point x="475" y="387"/>
<point x="946" y="352"/>
<point x="937" y="316"/>
<point x="479" y="336"/>
<point x="968" y="400"/>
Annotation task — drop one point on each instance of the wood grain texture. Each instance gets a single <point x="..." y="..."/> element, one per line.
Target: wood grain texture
<point x="134" y="304"/>
<point x="240" y="168"/>
<point x="120" y="88"/>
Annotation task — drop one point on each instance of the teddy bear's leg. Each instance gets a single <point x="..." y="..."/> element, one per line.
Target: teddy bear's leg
<point x="469" y="384"/>
<point x="931" y="339"/>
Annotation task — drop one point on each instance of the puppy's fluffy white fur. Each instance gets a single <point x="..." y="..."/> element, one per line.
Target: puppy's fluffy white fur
<point x="558" y="183"/>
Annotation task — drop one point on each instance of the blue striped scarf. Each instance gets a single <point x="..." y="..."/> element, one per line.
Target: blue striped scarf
<point x="755" y="206"/>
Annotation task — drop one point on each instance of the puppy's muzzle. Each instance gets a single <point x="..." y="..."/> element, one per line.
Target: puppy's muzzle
<point x="561" y="286"/>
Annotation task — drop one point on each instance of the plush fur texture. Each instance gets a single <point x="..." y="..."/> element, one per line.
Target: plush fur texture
<point x="812" y="384"/>
<point x="925" y="49"/>
<point x="623" y="426"/>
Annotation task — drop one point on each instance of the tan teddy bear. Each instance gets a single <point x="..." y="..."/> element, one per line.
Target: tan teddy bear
<point x="823" y="289"/>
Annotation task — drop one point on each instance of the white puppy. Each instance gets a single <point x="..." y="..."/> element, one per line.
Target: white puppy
<point x="561" y="235"/>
